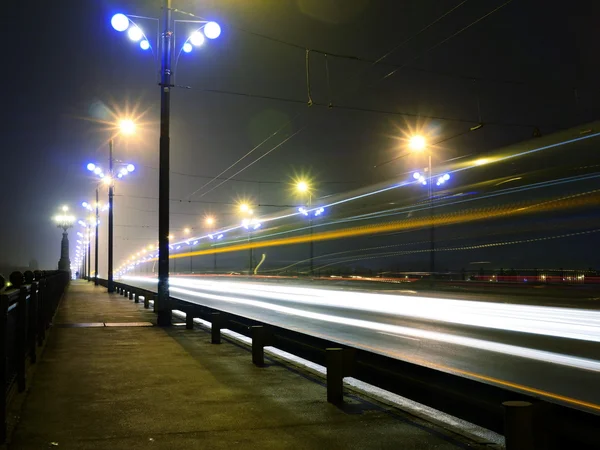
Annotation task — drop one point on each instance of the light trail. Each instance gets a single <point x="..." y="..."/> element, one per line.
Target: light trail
<point x="448" y="249"/>
<point x="546" y="321"/>
<point x="572" y="201"/>
<point x="469" y="165"/>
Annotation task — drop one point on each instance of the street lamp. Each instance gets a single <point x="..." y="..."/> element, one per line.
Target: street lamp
<point x="251" y="225"/>
<point x="209" y="221"/>
<point x="95" y="223"/>
<point x="64" y="221"/>
<point x="211" y="30"/>
<point x="127" y="127"/>
<point x="303" y="188"/>
<point x="418" y="143"/>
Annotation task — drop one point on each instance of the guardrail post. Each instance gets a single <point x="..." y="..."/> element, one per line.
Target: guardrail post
<point x="334" y="358"/>
<point x="41" y="318"/>
<point x="518" y="425"/>
<point x="259" y="341"/>
<point x="32" y="325"/>
<point x="3" y="355"/>
<point x="137" y="296"/>
<point x="340" y="364"/>
<point x="215" y="330"/>
<point x="146" y="301"/>
<point x="124" y="292"/>
<point x="189" y="319"/>
<point x="130" y="294"/>
<point x="21" y="341"/>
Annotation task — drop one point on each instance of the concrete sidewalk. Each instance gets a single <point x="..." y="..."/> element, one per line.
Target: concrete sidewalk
<point x="136" y="386"/>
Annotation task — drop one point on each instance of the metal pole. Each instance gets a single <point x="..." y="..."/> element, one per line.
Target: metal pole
<point x="310" y="222"/>
<point x="111" y="186"/>
<point x="432" y="229"/>
<point x="250" y="262"/>
<point x="96" y="244"/>
<point x="89" y="254"/>
<point x="83" y="263"/>
<point x="163" y="304"/>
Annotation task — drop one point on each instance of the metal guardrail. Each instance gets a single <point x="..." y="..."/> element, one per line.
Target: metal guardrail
<point x="527" y="422"/>
<point x="26" y="311"/>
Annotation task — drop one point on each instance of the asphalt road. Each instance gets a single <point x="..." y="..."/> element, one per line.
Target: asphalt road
<point x="545" y="351"/>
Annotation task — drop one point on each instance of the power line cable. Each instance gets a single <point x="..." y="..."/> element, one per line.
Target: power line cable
<point x="443" y="41"/>
<point x="253" y="162"/>
<point x="363" y="109"/>
<point x="247" y="154"/>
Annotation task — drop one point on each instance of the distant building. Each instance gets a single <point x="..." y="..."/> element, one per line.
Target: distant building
<point x="33" y="264"/>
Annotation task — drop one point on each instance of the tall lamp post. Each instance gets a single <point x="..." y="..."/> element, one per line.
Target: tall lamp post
<point x="304" y="188"/>
<point x="94" y="222"/>
<point x="64" y="221"/>
<point x="127" y="127"/>
<point x="419" y="144"/>
<point x="210" y="224"/>
<point x="211" y="30"/>
<point x="81" y="242"/>
<point x="250" y="224"/>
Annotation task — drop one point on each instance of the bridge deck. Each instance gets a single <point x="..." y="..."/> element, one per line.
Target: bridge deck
<point x="99" y="386"/>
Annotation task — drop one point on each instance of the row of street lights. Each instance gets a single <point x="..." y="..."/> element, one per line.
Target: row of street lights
<point x="249" y="222"/>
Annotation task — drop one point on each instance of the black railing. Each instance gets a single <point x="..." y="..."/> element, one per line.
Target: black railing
<point x="525" y="420"/>
<point x="26" y="310"/>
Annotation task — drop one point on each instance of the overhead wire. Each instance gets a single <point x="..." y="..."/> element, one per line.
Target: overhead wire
<point x="246" y="155"/>
<point x="443" y="41"/>
<point x="253" y="162"/>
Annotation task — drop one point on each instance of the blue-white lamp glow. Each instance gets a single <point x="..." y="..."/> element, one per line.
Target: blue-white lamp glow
<point x="212" y="30"/>
<point x="130" y="167"/>
<point x="187" y="47"/>
<point x="119" y="22"/>
<point x="144" y="45"/>
<point x="91" y="167"/>
<point x="135" y="34"/>
<point x="197" y="39"/>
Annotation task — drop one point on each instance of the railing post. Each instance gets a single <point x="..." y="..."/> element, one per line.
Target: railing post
<point x="340" y="364"/>
<point x="21" y="341"/>
<point x="259" y="341"/>
<point x="334" y="358"/>
<point x="215" y="330"/>
<point x="124" y="292"/>
<point x="32" y="322"/>
<point x="189" y="319"/>
<point x="518" y="425"/>
<point x="41" y="319"/>
<point x="137" y="296"/>
<point x="146" y="301"/>
<point x="3" y="355"/>
<point x="130" y="294"/>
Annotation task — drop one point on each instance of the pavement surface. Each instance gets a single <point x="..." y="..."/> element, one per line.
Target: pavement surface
<point x="548" y="352"/>
<point x="109" y="379"/>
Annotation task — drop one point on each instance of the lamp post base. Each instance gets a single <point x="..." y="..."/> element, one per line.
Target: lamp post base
<point x="164" y="318"/>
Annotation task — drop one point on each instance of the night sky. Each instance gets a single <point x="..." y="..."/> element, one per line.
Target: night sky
<point x="526" y="65"/>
